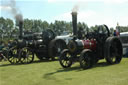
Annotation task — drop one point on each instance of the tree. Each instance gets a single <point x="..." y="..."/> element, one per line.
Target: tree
<point x="123" y="28"/>
<point x="93" y="28"/>
<point x="27" y="24"/>
<point x="2" y="22"/>
<point x="6" y="26"/>
<point x="9" y="27"/>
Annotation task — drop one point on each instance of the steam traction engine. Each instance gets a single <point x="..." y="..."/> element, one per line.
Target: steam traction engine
<point x="97" y="45"/>
<point x="24" y="49"/>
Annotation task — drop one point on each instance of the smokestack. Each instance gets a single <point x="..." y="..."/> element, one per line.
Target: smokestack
<point x="19" y="22"/>
<point x="21" y="29"/>
<point x="74" y="22"/>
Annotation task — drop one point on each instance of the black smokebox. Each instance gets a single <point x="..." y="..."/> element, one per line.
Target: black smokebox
<point x="74" y="23"/>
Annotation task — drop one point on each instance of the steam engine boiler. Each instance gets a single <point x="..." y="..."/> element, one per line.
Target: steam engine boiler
<point x="79" y="45"/>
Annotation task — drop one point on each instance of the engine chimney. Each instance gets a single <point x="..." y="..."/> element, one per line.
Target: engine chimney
<point x="74" y="23"/>
<point x="21" y="29"/>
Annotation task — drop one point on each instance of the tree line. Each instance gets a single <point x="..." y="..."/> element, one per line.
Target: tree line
<point x="9" y="29"/>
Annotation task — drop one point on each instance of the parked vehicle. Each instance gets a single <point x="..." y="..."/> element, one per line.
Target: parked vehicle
<point x="24" y="49"/>
<point x="124" y="40"/>
<point x="96" y="46"/>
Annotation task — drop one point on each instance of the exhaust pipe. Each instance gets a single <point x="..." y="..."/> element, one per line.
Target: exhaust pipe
<point x="21" y="29"/>
<point x="74" y="23"/>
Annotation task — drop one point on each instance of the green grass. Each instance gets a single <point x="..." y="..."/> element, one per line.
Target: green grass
<point x="51" y="73"/>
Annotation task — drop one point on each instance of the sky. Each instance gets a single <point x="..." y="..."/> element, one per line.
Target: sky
<point x="92" y="12"/>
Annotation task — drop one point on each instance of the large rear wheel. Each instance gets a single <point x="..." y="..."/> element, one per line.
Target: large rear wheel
<point x="113" y="50"/>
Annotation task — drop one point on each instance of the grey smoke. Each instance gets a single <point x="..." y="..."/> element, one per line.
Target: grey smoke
<point x="19" y="17"/>
<point x="75" y="8"/>
<point x="13" y="9"/>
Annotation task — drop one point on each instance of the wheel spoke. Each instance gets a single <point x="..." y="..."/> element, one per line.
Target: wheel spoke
<point x="26" y="55"/>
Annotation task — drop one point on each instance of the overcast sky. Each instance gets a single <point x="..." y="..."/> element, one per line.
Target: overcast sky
<point x="91" y="12"/>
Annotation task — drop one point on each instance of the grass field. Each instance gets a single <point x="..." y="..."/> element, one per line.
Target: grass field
<point x="51" y="73"/>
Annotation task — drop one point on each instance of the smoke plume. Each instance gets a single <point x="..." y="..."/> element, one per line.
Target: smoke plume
<point x="75" y="8"/>
<point x="13" y="9"/>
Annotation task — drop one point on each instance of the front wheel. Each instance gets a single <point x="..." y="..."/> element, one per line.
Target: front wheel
<point x="65" y="59"/>
<point x="85" y="59"/>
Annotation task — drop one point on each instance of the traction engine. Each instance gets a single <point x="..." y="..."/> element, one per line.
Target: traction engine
<point x="95" y="46"/>
<point x="24" y="49"/>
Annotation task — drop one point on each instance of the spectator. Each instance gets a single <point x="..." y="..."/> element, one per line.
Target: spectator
<point x="115" y="34"/>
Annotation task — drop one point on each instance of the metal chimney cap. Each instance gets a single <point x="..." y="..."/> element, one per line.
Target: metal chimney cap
<point x="74" y="13"/>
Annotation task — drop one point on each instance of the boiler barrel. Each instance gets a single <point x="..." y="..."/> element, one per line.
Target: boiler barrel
<point x="77" y="45"/>
<point x="90" y="44"/>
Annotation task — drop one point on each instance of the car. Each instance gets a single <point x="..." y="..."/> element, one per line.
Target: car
<point x="124" y="40"/>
